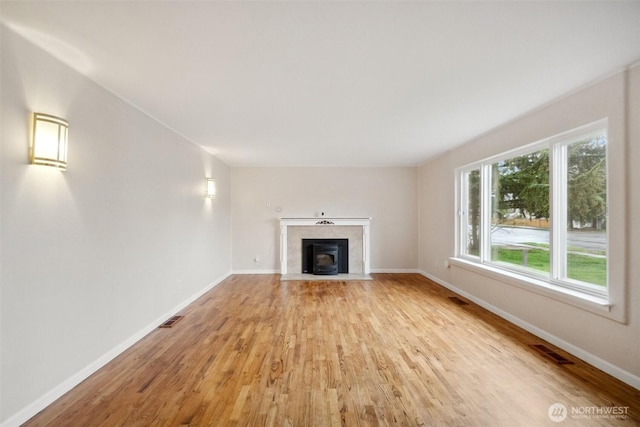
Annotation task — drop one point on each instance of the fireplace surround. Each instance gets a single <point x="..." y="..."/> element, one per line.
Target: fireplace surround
<point x="294" y="230"/>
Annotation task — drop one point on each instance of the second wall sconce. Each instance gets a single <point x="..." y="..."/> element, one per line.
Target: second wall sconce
<point x="48" y="144"/>
<point x="210" y="186"/>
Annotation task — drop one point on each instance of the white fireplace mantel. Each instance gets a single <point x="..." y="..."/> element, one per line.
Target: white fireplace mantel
<point x="331" y="223"/>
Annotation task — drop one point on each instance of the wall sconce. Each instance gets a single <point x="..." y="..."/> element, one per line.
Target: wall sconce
<point x="49" y="141"/>
<point x="210" y="185"/>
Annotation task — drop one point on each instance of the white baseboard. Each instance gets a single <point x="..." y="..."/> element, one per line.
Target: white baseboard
<point x="51" y="396"/>
<point x="395" y="270"/>
<point x="603" y="365"/>
<point x="375" y="270"/>
<point x="255" y="272"/>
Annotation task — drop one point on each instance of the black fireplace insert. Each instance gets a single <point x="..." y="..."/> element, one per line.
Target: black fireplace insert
<point x="325" y="256"/>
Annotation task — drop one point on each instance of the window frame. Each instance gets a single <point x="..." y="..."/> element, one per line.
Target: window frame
<point x="556" y="282"/>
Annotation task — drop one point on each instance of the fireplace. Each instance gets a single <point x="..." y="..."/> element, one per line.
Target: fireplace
<point x="355" y="255"/>
<point x="325" y="256"/>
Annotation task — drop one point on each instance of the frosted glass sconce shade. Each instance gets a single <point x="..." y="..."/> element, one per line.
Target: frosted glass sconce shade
<point x="210" y="185"/>
<point x="49" y="141"/>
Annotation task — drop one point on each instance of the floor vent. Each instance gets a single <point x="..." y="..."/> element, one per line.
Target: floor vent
<point x="561" y="360"/>
<point x="458" y="301"/>
<point x="169" y="323"/>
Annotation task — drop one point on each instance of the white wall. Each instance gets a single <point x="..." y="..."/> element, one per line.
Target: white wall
<point x="388" y="195"/>
<point x="94" y="256"/>
<point x="610" y="344"/>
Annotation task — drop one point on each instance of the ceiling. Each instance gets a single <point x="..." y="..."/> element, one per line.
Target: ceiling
<point x="323" y="83"/>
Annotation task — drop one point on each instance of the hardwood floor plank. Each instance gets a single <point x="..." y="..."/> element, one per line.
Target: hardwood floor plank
<point x="255" y="351"/>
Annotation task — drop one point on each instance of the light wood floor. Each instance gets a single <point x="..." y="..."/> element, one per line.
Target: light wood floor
<point x="255" y="351"/>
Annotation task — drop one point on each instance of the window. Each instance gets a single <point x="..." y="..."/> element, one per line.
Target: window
<point x="540" y="212"/>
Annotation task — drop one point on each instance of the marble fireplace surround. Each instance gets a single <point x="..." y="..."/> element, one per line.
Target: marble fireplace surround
<point x="293" y="230"/>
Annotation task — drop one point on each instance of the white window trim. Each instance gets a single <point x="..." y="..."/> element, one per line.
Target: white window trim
<point x="543" y="287"/>
<point x="565" y="291"/>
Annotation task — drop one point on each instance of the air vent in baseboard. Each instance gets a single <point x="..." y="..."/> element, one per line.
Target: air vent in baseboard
<point x="458" y="301"/>
<point x="546" y="351"/>
<point x="169" y="323"/>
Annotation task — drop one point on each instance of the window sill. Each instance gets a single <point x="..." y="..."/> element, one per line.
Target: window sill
<point x="592" y="303"/>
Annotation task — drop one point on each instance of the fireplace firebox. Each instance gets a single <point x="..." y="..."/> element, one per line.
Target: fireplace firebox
<point x="325" y="256"/>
